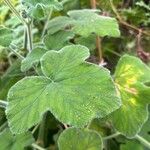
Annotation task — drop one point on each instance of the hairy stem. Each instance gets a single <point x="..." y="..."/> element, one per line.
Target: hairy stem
<point x="99" y="49"/>
<point x="46" y="23"/>
<point x="16" y="53"/>
<point x="3" y="104"/>
<point x="29" y="34"/>
<point x="3" y="126"/>
<point x="143" y="141"/>
<point x="37" y="147"/>
<point x="13" y="9"/>
<point x="98" y="39"/>
<point x="25" y="42"/>
<point x="111" y="136"/>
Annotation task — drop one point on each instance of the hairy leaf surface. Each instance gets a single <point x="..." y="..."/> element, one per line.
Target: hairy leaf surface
<point x="73" y="90"/>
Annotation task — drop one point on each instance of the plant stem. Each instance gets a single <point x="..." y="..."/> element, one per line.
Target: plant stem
<point x="16" y="53"/>
<point x="123" y="22"/>
<point x="98" y="39"/>
<point x="29" y="34"/>
<point x="93" y="4"/>
<point x="143" y="141"/>
<point x="3" y="103"/>
<point x="37" y="147"/>
<point x="28" y="24"/>
<point x="3" y="126"/>
<point x="40" y="139"/>
<point x="111" y="136"/>
<point x="13" y="9"/>
<point x="25" y="42"/>
<point x="46" y="23"/>
<point x="99" y="49"/>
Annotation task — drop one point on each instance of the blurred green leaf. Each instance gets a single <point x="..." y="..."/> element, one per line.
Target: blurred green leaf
<point x="79" y="139"/>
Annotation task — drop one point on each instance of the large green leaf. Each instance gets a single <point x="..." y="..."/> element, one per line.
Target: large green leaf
<point x="58" y="40"/>
<point x="85" y="22"/>
<point x="32" y="58"/>
<point x="5" y="36"/>
<point x="79" y="139"/>
<point x="88" y="21"/>
<point x="130" y="77"/>
<point x="73" y="90"/>
<point x="18" y="142"/>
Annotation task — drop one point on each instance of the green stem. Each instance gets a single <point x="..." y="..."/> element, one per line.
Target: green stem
<point x="98" y="39"/>
<point x="29" y="33"/>
<point x="111" y="136"/>
<point x="46" y="23"/>
<point x="3" y="103"/>
<point x="143" y="141"/>
<point x="37" y="147"/>
<point x="3" y="126"/>
<point x="13" y="9"/>
<point x="16" y="53"/>
<point x="41" y="134"/>
<point x="25" y="39"/>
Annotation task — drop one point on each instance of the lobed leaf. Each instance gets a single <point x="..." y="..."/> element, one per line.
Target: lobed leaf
<point x="73" y="90"/>
<point x="130" y="77"/>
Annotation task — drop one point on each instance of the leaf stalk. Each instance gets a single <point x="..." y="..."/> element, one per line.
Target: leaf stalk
<point x="143" y="141"/>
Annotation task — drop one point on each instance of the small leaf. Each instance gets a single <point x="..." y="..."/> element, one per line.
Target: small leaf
<point x="37" y="12"/>
<point x="59" y="23"/>
<point x="46" y="3"/>
<point x="88" y="21"/>
<point x="32" y="58"/>
<point x="79" y="139"/>
<point x="18" y="142"/>
<point x="5" y="36"/>
<point x="58" y="40"/>
<point x="73" y="90"/>
<point x="130" y="76"/>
